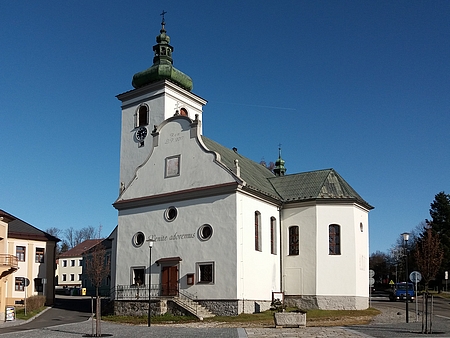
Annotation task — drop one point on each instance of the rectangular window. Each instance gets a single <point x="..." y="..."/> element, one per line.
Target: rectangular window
<point x="20" y="253"/>
<point x="72" y="277"/>
<point x="257" y="231"/>
<point x="20" y="283"/>
<point x="64" y="263"/>
<point x="334" y="239"/>
<point x="206" y="273"/>
<point x="293" y="240"/>
<point x="138" y="276"/>
<point x="273" y="235"/>
<point x="39" y="255"/>
<point x="79" y="277"/>
<point x="80" y="262"/>
<point x="64" y="277"/>
<point x="72" y="262"/>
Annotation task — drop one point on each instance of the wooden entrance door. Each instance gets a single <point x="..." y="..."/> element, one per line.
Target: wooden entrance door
<point x="169" y="276"/>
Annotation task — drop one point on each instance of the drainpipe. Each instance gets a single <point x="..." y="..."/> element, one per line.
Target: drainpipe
<point x="281" y="248"/>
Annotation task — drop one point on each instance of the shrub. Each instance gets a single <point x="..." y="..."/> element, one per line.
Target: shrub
<point x="35" y="302"/>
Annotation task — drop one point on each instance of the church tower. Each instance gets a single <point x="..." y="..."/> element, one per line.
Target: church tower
<point x="160" y="92"/>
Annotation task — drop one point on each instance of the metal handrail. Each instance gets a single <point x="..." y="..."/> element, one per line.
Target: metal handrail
<point x="9" y="260"/>
<point x="183" y="295"/>
<point x="134" y="292"/>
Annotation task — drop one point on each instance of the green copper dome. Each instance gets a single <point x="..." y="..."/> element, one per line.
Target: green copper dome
<point x="162" y="68"/>
<point x="279" y="168"/>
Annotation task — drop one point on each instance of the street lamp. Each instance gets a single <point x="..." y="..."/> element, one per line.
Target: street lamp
<point x="150" y="245"/>
<point x="405" y="240"/>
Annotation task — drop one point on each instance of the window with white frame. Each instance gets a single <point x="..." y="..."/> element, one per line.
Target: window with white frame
<point x="273" y="235"/>
<point x="138" y="276"/>
<point x="72" y="277"/>
<point x="72" y="262"/>
<point x="39" y="255"/>
<point x="64" y="263"/>
<point x="20" y="253"/>
<point x="19" y="283"/>
<point x="257" y="231"/>
<point x="64" y="277"/>
<point x="142" y="115"/>
<point x="293" y="240"/>
<point x="334" y="239"/>
<point x="205" y="272"/>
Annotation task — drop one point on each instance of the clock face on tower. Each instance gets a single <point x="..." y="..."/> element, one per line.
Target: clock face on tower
<point x="141" y="133"/>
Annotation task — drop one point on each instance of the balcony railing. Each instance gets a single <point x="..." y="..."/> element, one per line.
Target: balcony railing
<point x="9" y="260"/>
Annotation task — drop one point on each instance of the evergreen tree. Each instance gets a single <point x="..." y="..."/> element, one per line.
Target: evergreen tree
<point x="440" y="224"/>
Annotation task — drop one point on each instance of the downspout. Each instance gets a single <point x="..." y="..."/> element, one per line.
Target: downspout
<point x="281" y="249"/>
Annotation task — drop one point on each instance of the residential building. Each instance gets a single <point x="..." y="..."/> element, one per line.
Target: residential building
<point x="70" y="265"/>
<point x="34" y="266"/>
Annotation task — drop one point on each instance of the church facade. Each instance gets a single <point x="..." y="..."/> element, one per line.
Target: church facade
<point x="226" y="230"/>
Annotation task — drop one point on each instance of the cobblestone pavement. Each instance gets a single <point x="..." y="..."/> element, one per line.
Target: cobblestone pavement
<point x="389" y="324"/>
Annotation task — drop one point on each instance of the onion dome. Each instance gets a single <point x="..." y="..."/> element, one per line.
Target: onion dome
<point x="162" y="68"/>
<point x="279" y="168"/>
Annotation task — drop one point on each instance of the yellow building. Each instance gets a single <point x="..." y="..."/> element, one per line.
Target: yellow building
<point x="27" y="264"/>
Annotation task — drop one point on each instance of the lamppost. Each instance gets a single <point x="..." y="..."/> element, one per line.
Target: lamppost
<point x="150" y="245"/>
<point x="405" y="240"/>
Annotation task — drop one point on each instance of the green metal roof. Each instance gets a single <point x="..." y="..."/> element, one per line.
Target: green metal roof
<point x="313" y="185"/>
<point x="162" y="68"/>
<point x="324" y="184"/>
<point x="254" y="174"/>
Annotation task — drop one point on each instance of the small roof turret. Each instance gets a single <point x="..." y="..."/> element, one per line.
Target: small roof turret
<point x="162" y="68"/>
<point x="279" y="168"/>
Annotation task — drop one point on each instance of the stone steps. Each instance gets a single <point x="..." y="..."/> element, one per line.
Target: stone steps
<point x="193" y="307"/>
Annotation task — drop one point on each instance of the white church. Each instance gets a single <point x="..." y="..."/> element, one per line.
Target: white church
<point x="225" y="232"/>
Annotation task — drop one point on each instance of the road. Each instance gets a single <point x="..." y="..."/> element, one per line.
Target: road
<point x="68" y="318"/>
<point x="441" y="306"/>
<point x="67" y="309"/>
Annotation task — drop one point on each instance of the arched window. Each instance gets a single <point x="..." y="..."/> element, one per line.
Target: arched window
<point x="273" y="235"/>
<point x="293" y="240"/>
<point x="334" y="231"/>
<point x="142" y="115"/>
<point x="257" y="231"/>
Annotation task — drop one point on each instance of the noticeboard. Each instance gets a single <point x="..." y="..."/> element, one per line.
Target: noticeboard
<point x="10" y="313"/>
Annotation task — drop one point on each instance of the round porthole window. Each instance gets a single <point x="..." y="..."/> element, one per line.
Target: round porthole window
<point x="170" y="214"/>
<point x="205" y="232"/>
<point x="138" y="239"/>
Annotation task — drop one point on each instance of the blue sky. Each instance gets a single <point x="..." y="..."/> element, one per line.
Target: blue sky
<point x="358" y="86"/>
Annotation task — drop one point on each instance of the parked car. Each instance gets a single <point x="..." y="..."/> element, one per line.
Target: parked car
<point x="399" y="292"/>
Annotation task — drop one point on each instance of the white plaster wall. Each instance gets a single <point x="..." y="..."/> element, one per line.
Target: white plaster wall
<point x="163" y="99"/>
<point x="218" y="211"/>
<point x="259" y="271"/>
<point x="362" y="252"/>
<point x="197" y="166"/>
<point x="339" y="275"/>
<point x="299" y="274"/>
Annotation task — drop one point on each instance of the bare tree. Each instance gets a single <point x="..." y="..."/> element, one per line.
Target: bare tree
<point x="77" y="236"/>
<point x="98" y="267"/>
<point x="429" y="255"/>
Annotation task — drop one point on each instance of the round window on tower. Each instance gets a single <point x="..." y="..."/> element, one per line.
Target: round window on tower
<point x="170" y="214"/>
<point x="205" y="232"/>
<point x="138" y="239"/>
